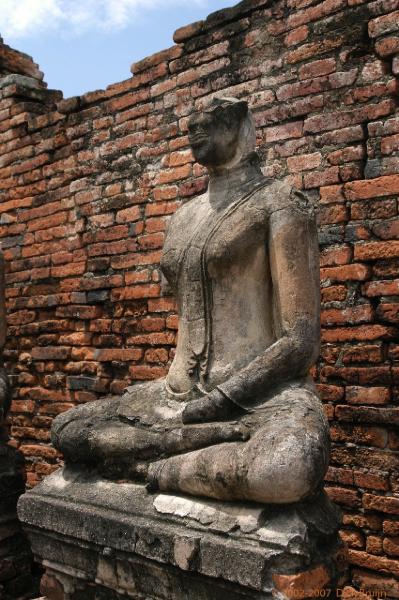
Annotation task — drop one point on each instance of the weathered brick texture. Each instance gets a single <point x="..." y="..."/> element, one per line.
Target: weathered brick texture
<point x="87" y="186"/>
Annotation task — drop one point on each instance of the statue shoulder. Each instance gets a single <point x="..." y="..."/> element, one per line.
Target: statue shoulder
<point x="186" y="210"/>
<point x="282" y="195"/>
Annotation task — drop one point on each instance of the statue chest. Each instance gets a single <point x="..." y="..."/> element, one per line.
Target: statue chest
<point x="212" y="241"/>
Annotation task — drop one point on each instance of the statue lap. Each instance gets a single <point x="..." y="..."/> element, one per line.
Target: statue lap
<point x="284" y="457"/>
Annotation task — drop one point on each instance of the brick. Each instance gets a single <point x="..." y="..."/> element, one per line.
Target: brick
<point x="373" y="188"/>
<point x="368" y="414"/>
<point x="350" y="153"/>
<point x="335" y="255"/>
<point x="153" y="339"/>
<point x="373" y="481"/>
<point x="51" y="587"/>
<point x="353" y="539"/>
<point x="304" y="88"/>
<point x="376" y="209"/>
<point x="283" y="132"/>
<point x="303" y="162"/>
<point x="381" y="288"/>
<point x="376" y="584"/>
<point x="388" y="230"/>
<point x="162" y="305"/>
<point x="337" y="475"/>
<point x="366" y="521"/>
<point x="390" y="144"/>
<point x="385" y="504"/>
<point x="381" y="564"/>
<point x="391" y="527"/>
<point x="371" y="353"/>
<point x="145" y="372"/>
<point x="357" y="314"/>
<point x="331" y="194"/>
<point x="375" y="90"/>
<point x="343" y="496"/>
<point x="353" y="272"/>
<point x="78" y="338"/>
<point x="374" y="70"/>
<point x="184" y="33"/>
<point x="135" y="259"/>
<point x="296" y="36"/>
<point x="155" y="59"/>
<point x="117" y="354"/>
<point x="326" y="177"/>
<point x="174" y="174"/>
<point x="359" y="333"/>
<point x="79" y="311"/>
<point x="384" y="24"/>
<point x="371" y="395"/>
<point x="157" y="355"/>
<point x="50" y="353"/>
<point x="335" y="293"/>
<point x="391" y="546"/>
<point x="387" y="46"/>
<point x="127" y="215"/>
<point x="330" y="392"/>
<point x="329" y="214"/>
<point x="367" y="435"/>
<point x="172" y="322"/>
<point x="136" y="291"/>
<point x="376" y="250"/>
<point x="317" y="68"/>
<point x="313" y="49"/>
<point x="38" y="450"/>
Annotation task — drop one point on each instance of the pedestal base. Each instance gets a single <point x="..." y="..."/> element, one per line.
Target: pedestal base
<point x="100" y="540"/>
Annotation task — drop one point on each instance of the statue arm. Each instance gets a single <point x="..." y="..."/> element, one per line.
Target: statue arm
<point x="294" y="263"/>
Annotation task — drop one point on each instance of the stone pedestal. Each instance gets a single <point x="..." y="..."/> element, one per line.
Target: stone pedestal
<point x="16" y="579"/>
<point x="100" y="540"/>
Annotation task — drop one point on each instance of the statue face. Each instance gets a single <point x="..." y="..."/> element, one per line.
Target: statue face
<point x="213" y="135"/>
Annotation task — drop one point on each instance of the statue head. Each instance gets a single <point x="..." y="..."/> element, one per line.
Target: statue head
<point x="222" y="134"/>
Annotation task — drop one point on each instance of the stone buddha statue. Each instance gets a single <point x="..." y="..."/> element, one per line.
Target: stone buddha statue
<point x="237" y="416"/>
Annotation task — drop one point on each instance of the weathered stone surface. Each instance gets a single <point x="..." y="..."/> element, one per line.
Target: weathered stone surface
<point x="95" y="534"/>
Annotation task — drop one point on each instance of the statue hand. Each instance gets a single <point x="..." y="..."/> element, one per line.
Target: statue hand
<point x="213" y="407"/>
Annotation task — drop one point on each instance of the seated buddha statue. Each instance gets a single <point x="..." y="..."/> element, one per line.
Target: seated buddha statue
<point x="237" y="417"/>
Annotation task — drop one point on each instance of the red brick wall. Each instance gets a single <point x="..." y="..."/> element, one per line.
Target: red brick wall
<point x="15" y="62"/>
<point x="86" y="188"/>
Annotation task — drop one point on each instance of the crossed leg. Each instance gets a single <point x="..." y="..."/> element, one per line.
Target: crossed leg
<point x="120" y="437"/>
<point x="284" y="460"/>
